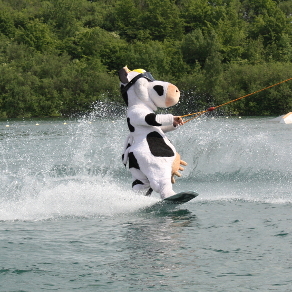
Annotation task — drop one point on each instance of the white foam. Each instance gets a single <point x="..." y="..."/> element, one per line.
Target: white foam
<point x="83" y="199"/>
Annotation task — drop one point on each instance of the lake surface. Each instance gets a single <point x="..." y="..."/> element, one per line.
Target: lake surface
<point x="70" y="222"/>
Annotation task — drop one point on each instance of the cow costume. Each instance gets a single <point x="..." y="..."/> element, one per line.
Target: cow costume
<point x="153" y="160"/>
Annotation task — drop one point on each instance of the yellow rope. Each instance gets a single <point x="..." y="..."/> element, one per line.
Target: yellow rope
<point x="197" y="114"/>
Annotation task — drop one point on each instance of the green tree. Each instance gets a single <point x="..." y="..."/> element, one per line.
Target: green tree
<point x="62" y="15"/>
<point x="126" y="21"/>
<point x="162" y="19"/>
<point x="149" y="19"/>
<point x="6" y="21"/>
<point x="37" y="35"/>
<point x="197" y="14"/>
<point x="231" y="32"/>
<point x="58" y="57"/>
<point x="197" y="46"/>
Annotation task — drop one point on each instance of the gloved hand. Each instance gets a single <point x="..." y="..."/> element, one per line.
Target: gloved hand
<point x="176" y="166"/>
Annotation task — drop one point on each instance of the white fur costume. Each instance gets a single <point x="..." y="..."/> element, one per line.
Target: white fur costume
<point x="147" y="149"/>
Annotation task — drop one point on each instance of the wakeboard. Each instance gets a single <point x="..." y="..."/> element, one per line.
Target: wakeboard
<point x="180" y="198"/>
<point x="173" y="201"/>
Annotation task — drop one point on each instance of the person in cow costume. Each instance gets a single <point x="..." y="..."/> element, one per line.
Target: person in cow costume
<point x="153" y="160"/>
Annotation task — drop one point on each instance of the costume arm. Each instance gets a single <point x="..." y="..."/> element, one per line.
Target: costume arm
<point x="144" y="117"/>
<point x="166" y="122"/>
<point x="169" y="128"/>
<point x="164" y="119"/>
<point x="159" y="120"/>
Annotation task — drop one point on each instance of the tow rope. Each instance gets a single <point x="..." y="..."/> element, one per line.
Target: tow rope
<point x="197" y="114"/>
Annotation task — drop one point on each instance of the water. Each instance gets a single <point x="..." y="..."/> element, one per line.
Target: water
<point x="69" y="221"/>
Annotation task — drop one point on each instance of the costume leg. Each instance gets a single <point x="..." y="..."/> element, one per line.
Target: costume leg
<point x="160" y="176"/>
<point x="163" y="187"/>
<point x="140" y="181"/>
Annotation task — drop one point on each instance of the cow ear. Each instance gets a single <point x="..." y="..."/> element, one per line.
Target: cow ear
<point x="141" y="89"/>
<point x="123" y="74"/>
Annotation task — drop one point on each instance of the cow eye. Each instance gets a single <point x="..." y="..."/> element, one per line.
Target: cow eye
<point x="159" y="89"/>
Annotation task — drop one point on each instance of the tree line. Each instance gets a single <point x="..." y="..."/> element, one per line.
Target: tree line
<point x="58" y="57"/>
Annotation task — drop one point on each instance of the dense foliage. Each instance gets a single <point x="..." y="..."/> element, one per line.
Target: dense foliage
<point x="57" y="57"/>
